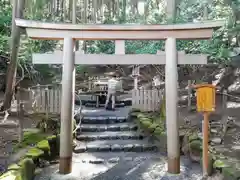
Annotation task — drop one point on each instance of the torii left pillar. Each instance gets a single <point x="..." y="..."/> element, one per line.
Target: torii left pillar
<point x="67" y="107"/>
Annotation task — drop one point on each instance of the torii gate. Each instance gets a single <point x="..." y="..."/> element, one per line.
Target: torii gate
<point x="71" y="32"/>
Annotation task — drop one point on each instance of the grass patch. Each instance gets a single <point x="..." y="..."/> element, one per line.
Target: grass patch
<point x="30" y="139"/>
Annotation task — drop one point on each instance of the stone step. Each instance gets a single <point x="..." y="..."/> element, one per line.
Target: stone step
<point x="102" y="105"/>
<point x="9" y="125"/>
<point x="108" y="135"/>
<point x="103" y="120"/>
<point x="114" y="157"/>
<point x="127" y="102"/>
<point x="92" y="102"/>
<point x="115" y="146"/>
<point x="108" y="127"/>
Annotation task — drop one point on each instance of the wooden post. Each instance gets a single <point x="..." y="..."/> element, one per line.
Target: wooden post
<point x="38" y="98"/>
<point x="66" y="135"/>
<point x="171" y="86"/>
<point x="30" y="99"/>
<point x="189" y="95"/>
<point x="46" y="107"/>
<point x="18" y="100"/>
<point x="224" y="109"/>
<point x="205" y="142"/>
<point x="171" y="77"/>
<point x="205" y="104"/>
<point x="20" y="114"/>
<point x="20" y="121"/>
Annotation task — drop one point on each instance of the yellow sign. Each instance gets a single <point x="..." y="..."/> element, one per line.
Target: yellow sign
<point x="205" y="97"/>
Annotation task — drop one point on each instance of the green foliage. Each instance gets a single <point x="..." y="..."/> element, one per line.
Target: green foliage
<point x="218" y="48"/>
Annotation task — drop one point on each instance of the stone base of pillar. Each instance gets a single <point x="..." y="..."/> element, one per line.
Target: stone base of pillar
<point x="174" y="165"/>
<point x="65" y="165"/>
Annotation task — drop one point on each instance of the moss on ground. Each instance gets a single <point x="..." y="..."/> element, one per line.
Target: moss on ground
<point x="193" y="137"/>
<point x="27" y="168"/>
<point x="196" y="145"/>
<point x="34" y="153"/>
<point x="151" y="122"/>
<point x="13" y="167"/>
<point x="218" y="164"/>
<point x="153" y="127"/>
<point x="43" y="145"/>
<point x="12" y="175"/>
<point x="30" y="139"/>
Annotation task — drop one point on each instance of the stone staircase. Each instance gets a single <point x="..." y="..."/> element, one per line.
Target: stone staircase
<point x="92" y="103"/>
<point x="109" y="136"/>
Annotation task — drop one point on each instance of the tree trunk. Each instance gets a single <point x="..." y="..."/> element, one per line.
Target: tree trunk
<point x="74" y="20"/>
<point x="15" y="40"/>
<point x="124" y="4"/>
<point x="85" y="6"/>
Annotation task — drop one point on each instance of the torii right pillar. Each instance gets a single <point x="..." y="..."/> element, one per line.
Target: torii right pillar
<point x="171" y="81"/>
<point x="171" y="90"/>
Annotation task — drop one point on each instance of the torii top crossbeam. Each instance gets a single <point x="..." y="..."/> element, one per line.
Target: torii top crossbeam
<point x="43" y="30"/>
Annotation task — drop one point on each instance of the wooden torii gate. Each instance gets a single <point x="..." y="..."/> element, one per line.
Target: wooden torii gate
<point x="71" y="32"/>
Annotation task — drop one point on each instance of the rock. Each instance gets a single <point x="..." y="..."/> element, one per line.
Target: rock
<point x="102" y="128"/>
<point x="200" y="135"/>
<point x="216" y="140"/>
<point x="128" y="147"/>
<point x="215" y="131"/>
<point x="195" y="150"/>
<point x="112" y="120"/>
<point x="121" y="119"/>
<point x="124" y="127"/>
<point x="80" y="149"/>
<point x="145" y="124"/>
<point x="104" y="148"/>
<point x="146" y="147"/>
<point x="193" y="137"/>
<point x="133" y="127"/>
<point x="126" y="137"/>
<point x="219" y="164"/>
<point x="89" y="128"/>
<point x="35" y="153"/>
<point x="116" y="148"/>
<point x="92" y="148"/>
<point x="97" y="161"/>
<point x="27" y="168"/>
<point x="114" y="160"/>
<point x="137" y="148"/>
<point x="185" y="145"/>
<point x="114" y="128"/>
<point x="43" y="145"/>
<point x="104" y="137"/>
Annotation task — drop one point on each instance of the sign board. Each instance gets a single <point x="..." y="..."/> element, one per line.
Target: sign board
<point x="205" y="97"/>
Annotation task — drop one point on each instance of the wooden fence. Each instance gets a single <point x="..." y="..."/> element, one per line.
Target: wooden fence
<point x="45" y="99"/>
<point x="147" y="100"/>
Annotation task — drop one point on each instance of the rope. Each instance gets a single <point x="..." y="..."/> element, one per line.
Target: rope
<point x="79" y="111"/>
<point x="229" y="95"/>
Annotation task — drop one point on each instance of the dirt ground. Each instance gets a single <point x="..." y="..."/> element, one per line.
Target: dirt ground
<point x="9" y="136"/>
